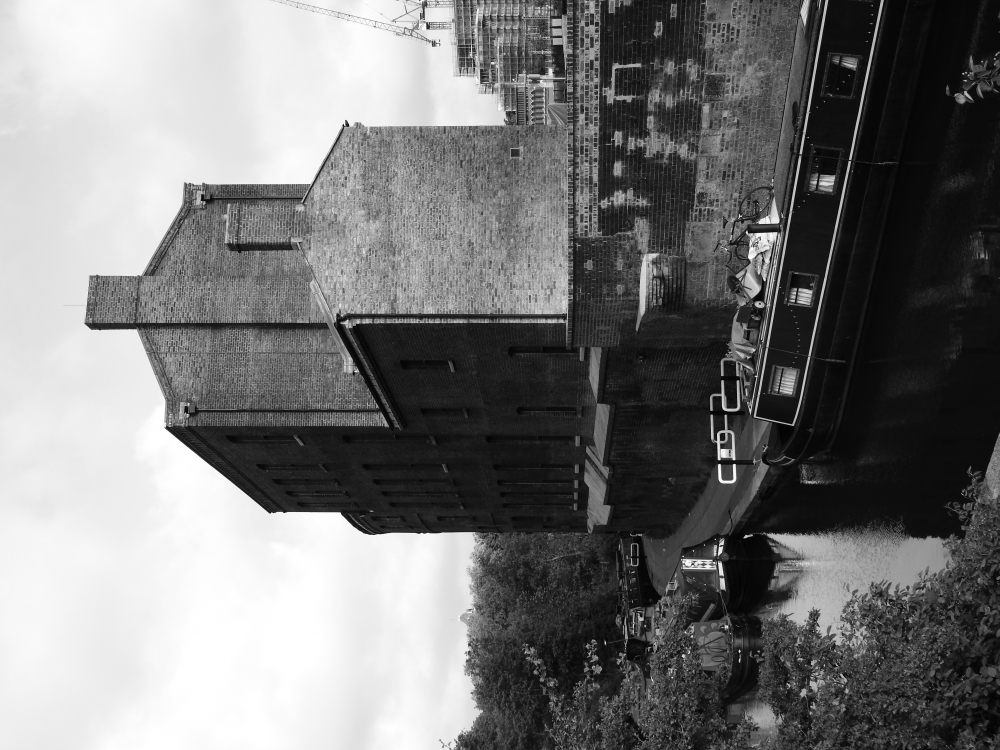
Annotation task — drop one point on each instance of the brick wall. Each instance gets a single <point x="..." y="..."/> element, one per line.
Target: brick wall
<point x="195" y="244"/>
<point x="441" y="220"/>
<point x="688" y="97"/>
<point x="131" y="301"/>
<point x="261" y="226"/>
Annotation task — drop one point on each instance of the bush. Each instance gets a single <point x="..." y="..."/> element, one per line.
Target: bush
<point x="917" y="667"/>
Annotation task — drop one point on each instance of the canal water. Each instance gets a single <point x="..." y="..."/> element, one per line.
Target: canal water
<point x="821" y="570"/>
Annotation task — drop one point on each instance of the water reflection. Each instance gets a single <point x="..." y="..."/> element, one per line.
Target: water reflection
<point x="821" y="570"/>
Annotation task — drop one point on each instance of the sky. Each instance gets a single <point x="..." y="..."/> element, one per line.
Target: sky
<point x="144" y="601"/>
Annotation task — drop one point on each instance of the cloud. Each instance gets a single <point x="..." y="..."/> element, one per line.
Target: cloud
<point x="148" y="603"/>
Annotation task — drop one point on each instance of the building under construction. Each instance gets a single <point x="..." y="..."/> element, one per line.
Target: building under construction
<point x="515" y="51"/>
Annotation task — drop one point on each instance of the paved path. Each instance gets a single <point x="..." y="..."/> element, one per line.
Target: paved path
<point x="721" y="507"/>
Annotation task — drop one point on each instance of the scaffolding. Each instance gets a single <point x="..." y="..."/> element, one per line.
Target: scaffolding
<point x="498" y="42"/>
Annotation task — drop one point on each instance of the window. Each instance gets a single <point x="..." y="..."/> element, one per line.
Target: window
<point x="520" y="351"/>
<point x="535" y="482"/>
<point x="545" y="467"/>
<point x="824" y="168"/>
<point x="264" y="439"/>
<point x="841" y="75"/>
<point x="291" y="467"/>
<point x="404" y="480"/>
<point x="536" y="493"/>
<point x="405" y="467"/>
<point x="801" y="289"/>
<point x="334" y="507"/>
<point x="427" y="364"/>
<point x="291" y="481"/>
<point x="318" y="493"/>
<point x="551" y="439"/>
<point x="535" y="506"/>
<point x="530" y="519"/>
<point x="417" y="493"/>
<point x="548" y="411"/>
<point x="515" y="153"/>
<point x="784" y="381"/>
<point x="446" y="413"/>
<point x="390" y="438"/>
<point x="425" y="504"/>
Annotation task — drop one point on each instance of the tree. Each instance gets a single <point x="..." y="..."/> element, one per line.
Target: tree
<point x="679" y="707"/>
<point x="555" y="592"/>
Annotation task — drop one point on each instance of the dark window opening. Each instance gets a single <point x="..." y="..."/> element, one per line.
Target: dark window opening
<point x="531" y="519"/>
<point x="334" y="507"/>
<point x="291" y="467"/>
<point x="295" y="482"/>
<point x="531" y="506"/>
<point x="841" y="75"/>
<point x="417" y="493"/>
<point x="390" y="438"/>
<point x="448" y="413"/>
<point x="264" y="439"/>
<point x="801" y="289"/>
<point x="824" y="170"/>
<point x="454" y="519"/>
<point x="548" y="411"/>
<point x="318" y="493"/>
<point x="405" y="467"/>
<point x="522" y="351"/>
<point x="535" y="482"/>
<point x="537" y="493"/>
<point x="515" y="153"/>
<point x="536" y="439"/>
<point x="427" y="364"/>
<point x="404" y="480"/>
<point x="575" y="468"/>
<point x="425" y="505"/>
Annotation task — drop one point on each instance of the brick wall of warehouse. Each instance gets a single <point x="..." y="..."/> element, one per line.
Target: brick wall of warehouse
<point x="441" y="220"/>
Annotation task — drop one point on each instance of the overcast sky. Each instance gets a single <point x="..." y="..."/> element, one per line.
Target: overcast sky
<point x="144" y="601"/>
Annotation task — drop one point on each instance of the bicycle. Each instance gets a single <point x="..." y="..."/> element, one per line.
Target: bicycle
<point x="753" y="207"/>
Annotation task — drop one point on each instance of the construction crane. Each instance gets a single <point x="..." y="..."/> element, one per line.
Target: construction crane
<point x="392" y="27"/>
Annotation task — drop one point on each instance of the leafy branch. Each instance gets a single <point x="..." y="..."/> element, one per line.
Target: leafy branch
<point x="981" y="78"/>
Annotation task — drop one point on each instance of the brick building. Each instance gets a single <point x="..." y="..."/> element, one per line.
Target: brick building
<point x="388" y="342"/>
<point x="440" y="332"/>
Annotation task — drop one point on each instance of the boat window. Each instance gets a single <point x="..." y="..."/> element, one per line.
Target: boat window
<point x="841" y="75"/>
<point x="801" y="289"/>
<point x="784" y="381"/>
<point x="824" y="167"/>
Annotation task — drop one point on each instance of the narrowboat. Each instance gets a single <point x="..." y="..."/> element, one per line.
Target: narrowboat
<point x="831" y="202"/>
<point x="724" y="575"/>
<point x="734" y="641"/>
<point x="634" y="583"/>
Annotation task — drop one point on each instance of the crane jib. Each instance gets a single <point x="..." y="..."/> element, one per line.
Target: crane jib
<point x="394" y="28"/>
